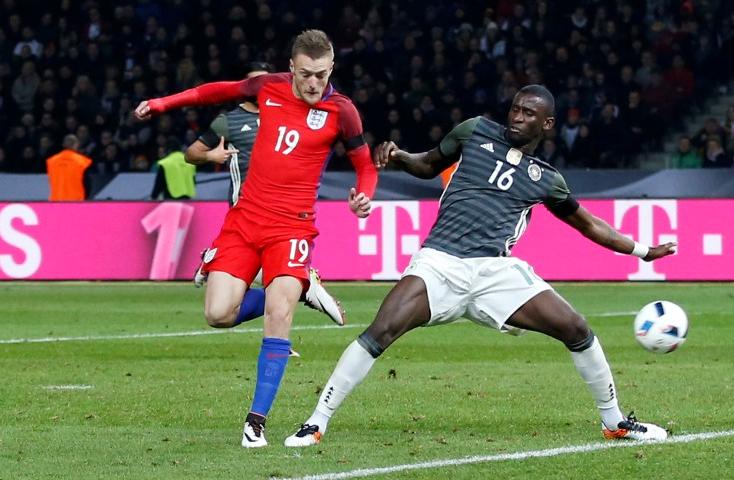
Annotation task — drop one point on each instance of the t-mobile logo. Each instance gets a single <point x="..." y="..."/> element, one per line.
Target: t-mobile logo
<point x="645" y="229"/>
<point x="389" y="248"/>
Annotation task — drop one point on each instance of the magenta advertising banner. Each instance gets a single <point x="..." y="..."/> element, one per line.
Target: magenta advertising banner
<point x="162" y="241"/>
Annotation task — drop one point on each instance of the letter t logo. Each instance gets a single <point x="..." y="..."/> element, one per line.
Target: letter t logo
<point x="389" y="246"/>
<point x="645" y="227"/>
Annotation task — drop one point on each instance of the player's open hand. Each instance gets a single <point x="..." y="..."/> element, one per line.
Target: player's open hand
<point x="384" y="153"/>
<point x="359" y="204"/>
<point x="219" y="154"/>
<point x="661" y="251"/>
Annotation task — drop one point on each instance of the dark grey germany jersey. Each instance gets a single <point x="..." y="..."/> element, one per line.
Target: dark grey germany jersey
<point x="239" y="129"/>
<point x="486" y="206"/>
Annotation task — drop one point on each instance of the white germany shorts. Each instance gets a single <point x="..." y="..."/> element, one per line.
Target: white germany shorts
<point x="486" y="290"/>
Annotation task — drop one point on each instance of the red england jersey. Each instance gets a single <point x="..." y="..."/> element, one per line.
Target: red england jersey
<point x="292" y="144"/>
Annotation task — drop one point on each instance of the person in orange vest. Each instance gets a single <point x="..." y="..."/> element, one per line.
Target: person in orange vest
<point x="66" y="172"/>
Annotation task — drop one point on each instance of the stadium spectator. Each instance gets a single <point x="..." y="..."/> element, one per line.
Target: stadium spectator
<point x="635" y="117"/>
<point x="29" y="44"/>
<point x="627" y="84"/>
<point x="67" y="172"/>
<point x="711" y="129"/>
<point x="645" y="72"/>
<point x="570" y="129"/>
<point x="467" y="55"/>
<point x="17" y="140"/>
<point x="25" y="87"/>
<point x="583" y="153"/>
<point x="464" y="268"/>
<point x="680" y="78"/>
<point x="714" y="155"/>
<point x="686" y="156"/>
<point x="551" y="153"/>
<point x="728" y="127"/>
<point x="612" y="141"/>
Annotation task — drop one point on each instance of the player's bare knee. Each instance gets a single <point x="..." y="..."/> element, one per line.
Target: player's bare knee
<point x="218" y="317"/>
<point x="577" y="335"/>
<point x="278" y="316"/>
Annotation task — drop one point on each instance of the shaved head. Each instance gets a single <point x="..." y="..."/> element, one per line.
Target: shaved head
<point x="530" y="116"/>
<point x="541" y="92"/>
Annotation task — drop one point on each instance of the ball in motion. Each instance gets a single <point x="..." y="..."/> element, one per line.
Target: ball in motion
<point x="661" y="326"/>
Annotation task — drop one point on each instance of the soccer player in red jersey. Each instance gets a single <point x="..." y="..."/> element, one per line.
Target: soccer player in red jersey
<point x="301" y="116"/>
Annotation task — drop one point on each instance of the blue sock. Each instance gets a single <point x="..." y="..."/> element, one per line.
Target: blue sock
<point x="271" y="364"/>
<point x="253" y="305"/>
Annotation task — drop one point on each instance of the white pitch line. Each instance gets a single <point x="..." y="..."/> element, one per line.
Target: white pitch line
<point x="550" y="452"/>
<point x="12" y="341"/>
<point x="68" y="387"/>
<point x="610" y="314"/>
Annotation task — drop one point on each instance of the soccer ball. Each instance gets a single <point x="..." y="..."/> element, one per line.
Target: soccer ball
<point x="661" y="326"/>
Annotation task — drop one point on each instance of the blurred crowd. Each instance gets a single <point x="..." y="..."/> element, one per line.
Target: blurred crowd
<point x="622" y="71"/>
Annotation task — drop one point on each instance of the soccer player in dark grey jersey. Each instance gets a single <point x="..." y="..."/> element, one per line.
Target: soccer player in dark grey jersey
<point x="239" y="128"/>
<point x="229" y="139"/>
<point x="465" y="268"/>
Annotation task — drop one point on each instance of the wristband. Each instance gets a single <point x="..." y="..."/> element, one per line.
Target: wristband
<point x="640" y="250"/>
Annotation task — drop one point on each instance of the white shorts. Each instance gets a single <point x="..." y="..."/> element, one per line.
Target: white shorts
<point x="486" y="290"/>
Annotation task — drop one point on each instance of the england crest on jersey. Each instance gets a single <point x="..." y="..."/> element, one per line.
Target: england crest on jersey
<point x="316" y="119"/>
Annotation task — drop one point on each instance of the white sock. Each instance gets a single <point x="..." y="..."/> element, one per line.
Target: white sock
<point x="594" y="369"/>
<point x="354" y="365"/>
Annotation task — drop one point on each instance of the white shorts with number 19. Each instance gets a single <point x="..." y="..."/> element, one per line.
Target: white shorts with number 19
<point x="486" y="290"/>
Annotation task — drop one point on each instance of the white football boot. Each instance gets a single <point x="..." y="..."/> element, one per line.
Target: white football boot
<point x="306" y="436"/>
<point x="200" y="276"/>
<point x="631" y="429"/>
<point x="253" y="435"/>
<point x="319" y="299"/>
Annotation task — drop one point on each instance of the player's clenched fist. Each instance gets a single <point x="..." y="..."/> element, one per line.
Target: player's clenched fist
<point x="147" y="108"/>
<point x="385" y="152"/>
<point x="359" y="204"/>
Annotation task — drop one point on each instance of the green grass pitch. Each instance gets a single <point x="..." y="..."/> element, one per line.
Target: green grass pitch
<point x="111" y="402"/>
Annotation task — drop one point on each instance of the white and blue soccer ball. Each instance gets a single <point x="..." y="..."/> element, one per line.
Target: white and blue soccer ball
<point x="661" y="326"/>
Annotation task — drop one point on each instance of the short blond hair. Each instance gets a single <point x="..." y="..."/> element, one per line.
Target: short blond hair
<point x="312" y="43"/>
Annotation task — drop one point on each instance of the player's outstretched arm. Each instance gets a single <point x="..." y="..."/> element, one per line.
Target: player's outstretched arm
<point x="207" y="94"/>
<point x="199" y="153"/>
<point x="422" y="165"/>
<point x="600" y="232"/>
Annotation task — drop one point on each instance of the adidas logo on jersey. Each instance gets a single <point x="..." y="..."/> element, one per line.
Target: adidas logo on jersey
<point x="246" y="128"/>
<point x="488" y="147"/>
